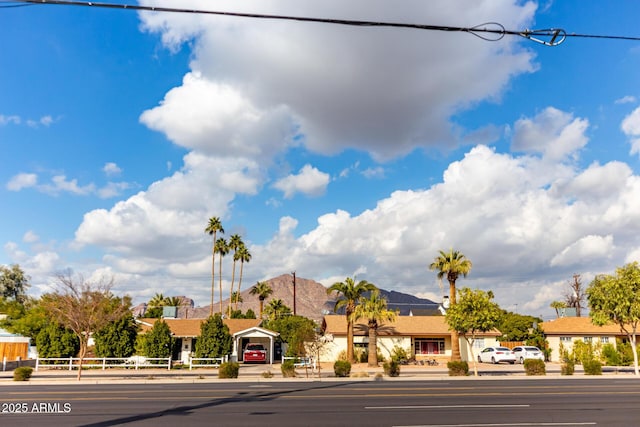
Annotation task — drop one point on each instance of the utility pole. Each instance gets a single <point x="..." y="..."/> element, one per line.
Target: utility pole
<point x="294" y="292"/>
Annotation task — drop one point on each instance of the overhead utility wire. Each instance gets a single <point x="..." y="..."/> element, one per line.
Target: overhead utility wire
<point x="490" y="31"/>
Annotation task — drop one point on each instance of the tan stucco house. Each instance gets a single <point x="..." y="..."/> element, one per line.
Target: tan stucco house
<point x="566" y="330"/>
<point x="243" y="331"/>
<point x="423" y="337"/>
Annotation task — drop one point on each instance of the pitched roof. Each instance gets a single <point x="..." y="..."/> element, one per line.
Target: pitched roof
<point x="577" y="326"/>
<point x="402" y="326"/>
<point x="191" y="327"/>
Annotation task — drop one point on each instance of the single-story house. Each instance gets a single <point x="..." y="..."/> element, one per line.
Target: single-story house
<point x="566" y="330"/>
<point x="243" y="331"/>
<point x="422" y="337"/>
<point x="13" y="347"/>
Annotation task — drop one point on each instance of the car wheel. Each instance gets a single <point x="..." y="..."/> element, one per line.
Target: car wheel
<point x="479" y="360"/>
<point x="512" y="362"/>
<point x="522" y="360"/>
<point x="493" y="360"/>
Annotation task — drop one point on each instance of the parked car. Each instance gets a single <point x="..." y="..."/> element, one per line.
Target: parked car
<point x="497" y="355"/>
<point x="525" y="352"/>
<point x="254" y="352"/>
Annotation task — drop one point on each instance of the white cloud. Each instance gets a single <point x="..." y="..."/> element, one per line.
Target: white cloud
<point x="30" y="237"/>
<point x="5" y="120"/>
<point x="553" y="133"/>
<point x="377" y="172"/>
<point x="60" y="184"/>
<point x="112" y="189"/>
<point x="21" y="181"/>
<point x="254" y="81"/>
<point x="111" y="169"/>
<point x="626" y="100"/>
<point x="587" y="248"/>
<point x="631" y="127"/>
<point x="309" y="181"/>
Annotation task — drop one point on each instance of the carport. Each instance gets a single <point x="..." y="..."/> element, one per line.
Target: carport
<point x="257" y="335"/>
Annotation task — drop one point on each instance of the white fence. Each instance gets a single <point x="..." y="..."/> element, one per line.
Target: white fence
<point x="216" y="362"/>
<point x="103" y="362"/>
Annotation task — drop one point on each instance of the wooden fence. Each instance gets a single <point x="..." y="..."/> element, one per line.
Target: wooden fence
<point x="14" y="350"/>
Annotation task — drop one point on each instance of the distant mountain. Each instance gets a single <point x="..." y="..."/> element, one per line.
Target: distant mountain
<point x="311" y="299"/>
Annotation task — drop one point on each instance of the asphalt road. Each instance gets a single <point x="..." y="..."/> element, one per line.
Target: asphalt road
<point x="558" y="401"/>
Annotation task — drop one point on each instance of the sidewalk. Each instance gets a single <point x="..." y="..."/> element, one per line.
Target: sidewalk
<point x="257" y="373"/>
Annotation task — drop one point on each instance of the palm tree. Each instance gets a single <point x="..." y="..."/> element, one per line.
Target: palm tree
<point x="235" y="242"/>
<point x="374" y="309"/>
<point x="243" y="255"/>
<point x="237" y="298"/>
<point x="558" y="305"/>
<point x="158" y="300"/>
<point x="212" y="228"/>
<point x="173" y="301"/>
<point x="221" y="248"/>
<point x="350" y="293"/>
<point x="262" y="290"/>
<point x="451" y="265"/>
<point x="276" y="309"/>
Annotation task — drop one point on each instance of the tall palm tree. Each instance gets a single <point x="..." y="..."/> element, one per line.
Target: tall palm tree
<point x="158" y="300"/>
<point x="221" y="248"/>
<point x="213" y="227"/>
<point x="276" y="309"/>
<point x="173" y="301"/>
<point x="243" y="255"/>
<point x="235" y="242"/>
<point x="349" y="293"/>
<point x="374" y="309"/>
<point x="262" y="290"/>
<point x="451" y="265"/>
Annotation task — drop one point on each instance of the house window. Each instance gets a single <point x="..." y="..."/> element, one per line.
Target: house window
<point x="604" y="340"/>
<point x="565" y="340"/>
<point x="588" y="339"/>
<point x="478" y="343"/>
<point x="429" y="345"/>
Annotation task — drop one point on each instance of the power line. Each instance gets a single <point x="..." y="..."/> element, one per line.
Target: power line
<point x="490" y="31"/>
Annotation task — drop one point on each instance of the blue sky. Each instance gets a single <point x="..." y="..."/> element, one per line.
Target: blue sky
<point x="334" y="151"/>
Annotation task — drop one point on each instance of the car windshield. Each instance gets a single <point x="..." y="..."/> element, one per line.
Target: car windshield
<point x="255" y="347"/>
<point x="502" y="349"/>
<point x="531" y="348"/>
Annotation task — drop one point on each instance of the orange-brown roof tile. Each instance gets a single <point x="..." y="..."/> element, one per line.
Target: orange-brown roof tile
<point x="577" y="326"/>
<point x="191" y="327"/>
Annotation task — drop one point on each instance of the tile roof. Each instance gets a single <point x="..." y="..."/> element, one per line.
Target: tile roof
<point x="577" y="326"/>
<point x="191" y="327"/>
<point x="403" y="326"/>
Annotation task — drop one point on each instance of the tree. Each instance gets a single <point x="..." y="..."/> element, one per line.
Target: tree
<point x="155" y="306"/>
<point x="262" y="290"/>
<point x="451" y="265"/>
<point x="374" y="309"/>
<point x="13" y="283"/>
<point x="57" y="341"/>
<point x="295" y="331"/>
<point x="215" y="339"/>
<point x="243" y="255"/>
<point x="575" y="297"/>
<point x="473" y="313"/>
<point x="221" y="248"/>
<point x="349" y="292"/>
<point x="516" y="327"/>
<point x="213" y="227"/>
<point x="558" y="305"/>
<point x="117" y="339"/>
<point x="235" y="243"/>
<point x="276" y="309"/>
<point x="84" y="307"/>
<point x="158" y="342"/>
<point x="616" y="299"/>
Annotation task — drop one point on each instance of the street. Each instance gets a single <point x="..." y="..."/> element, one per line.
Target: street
<point x="469" y="402"/>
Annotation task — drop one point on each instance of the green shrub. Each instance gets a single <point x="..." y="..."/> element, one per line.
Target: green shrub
<point x="22" y="373"/>
<point x="288" y="368"/>
<point x="391" y="368"/>
<point x="458" y="368"/>
<point x="611" y="355"/>
<point x="567" y="368"/>
<point x="229" y="370"/>
<point x="342" y="368"/>
<point x="399" y="354"/>
<point x="534" y="367"/>
<point x="592" y="367"/>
